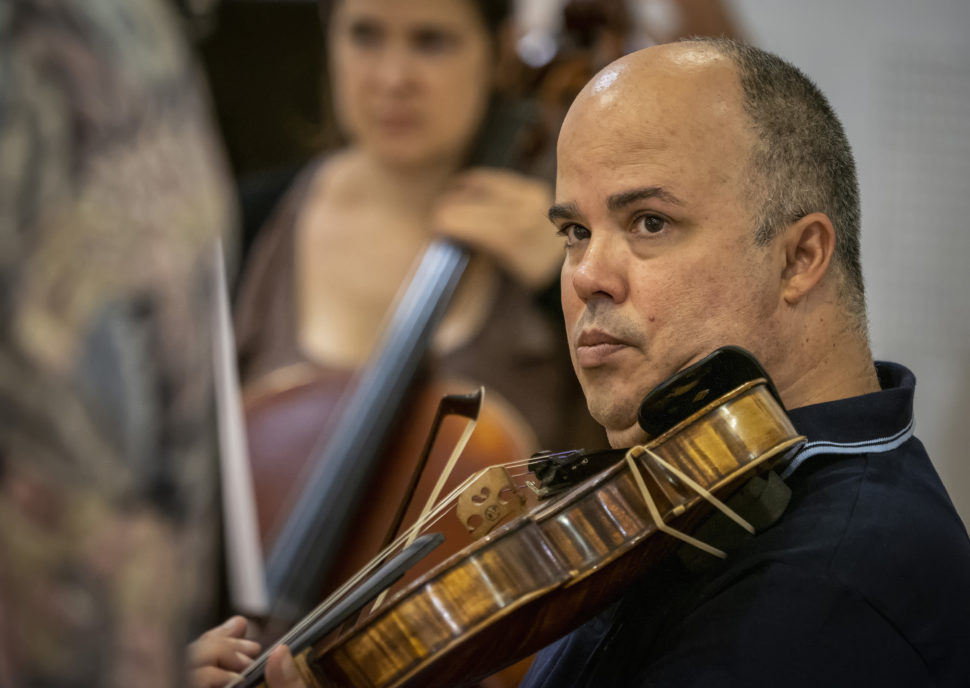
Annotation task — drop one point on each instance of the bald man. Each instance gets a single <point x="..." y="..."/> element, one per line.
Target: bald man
<point x="707" y="196"/>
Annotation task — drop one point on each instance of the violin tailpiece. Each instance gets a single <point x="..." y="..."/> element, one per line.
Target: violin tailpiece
<point x="636" y="452"/>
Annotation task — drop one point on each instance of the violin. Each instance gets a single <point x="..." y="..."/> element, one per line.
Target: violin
<point x="550" y="568"/>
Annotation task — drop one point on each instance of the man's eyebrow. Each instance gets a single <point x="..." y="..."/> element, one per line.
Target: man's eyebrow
<point x="621" y="200"/>
<point x="569" y="211"/>
<point x="563" y="211"/>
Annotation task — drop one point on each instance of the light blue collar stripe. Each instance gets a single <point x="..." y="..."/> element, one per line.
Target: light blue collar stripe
<point x="875" y="446"/>
<point x="879" y="441"/>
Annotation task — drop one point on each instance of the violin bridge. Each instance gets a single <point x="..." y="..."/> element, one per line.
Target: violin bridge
<point x="488" y="500"/>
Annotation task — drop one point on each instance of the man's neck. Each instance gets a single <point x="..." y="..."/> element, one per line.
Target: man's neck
<point x="837" y="367"/>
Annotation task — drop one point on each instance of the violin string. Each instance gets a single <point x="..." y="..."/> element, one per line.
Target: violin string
<point x="434" y="511"/>
<point x="447" y="501"/>
<point x="438" y="512"/>
<point x="434" y="515"/>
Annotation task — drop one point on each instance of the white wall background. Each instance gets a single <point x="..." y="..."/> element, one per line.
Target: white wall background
<point x="898" y="74"/>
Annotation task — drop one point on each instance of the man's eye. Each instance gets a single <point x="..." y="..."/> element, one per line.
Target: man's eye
<point x="573" y="233"/>
<point x="651" y="224"/>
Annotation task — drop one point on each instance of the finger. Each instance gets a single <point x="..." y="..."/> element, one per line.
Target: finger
<point x="225" y="652"/>
<point x="482" y="183"/>
<point x="464" y="220"/>
<point x="464" y="195"/>
<point x="491" y="228"/>
<point x="525" y="211"/>
<point x="211" y="677"/>
<point x="233" y="627"/>
<point x="469" y="179"/>
<point x="281" y="671"/>
<point x="235" y="661"/>
<point x="484" y="175"/>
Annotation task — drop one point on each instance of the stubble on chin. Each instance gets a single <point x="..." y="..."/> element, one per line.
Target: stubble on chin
<point x="619" y="420"/>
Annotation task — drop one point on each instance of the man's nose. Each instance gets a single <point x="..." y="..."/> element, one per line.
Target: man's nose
<point x="601" y="270"/>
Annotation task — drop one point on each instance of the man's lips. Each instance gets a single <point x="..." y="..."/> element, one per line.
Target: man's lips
<point x="595" y="347"/>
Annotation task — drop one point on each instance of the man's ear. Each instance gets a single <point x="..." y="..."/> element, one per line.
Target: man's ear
<point x="809" y="245"/>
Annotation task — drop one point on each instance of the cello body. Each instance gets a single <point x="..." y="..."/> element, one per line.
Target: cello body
<point x="282" y="433"/>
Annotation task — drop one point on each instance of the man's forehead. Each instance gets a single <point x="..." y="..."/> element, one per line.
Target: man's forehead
<point x="658" y="137"/>
<point x="616" y="144"/>
<point x="613" y="160"/>
<point x="669" y="82"/>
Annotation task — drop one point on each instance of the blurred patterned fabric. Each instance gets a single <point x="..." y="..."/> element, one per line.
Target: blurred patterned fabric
<point x="112" y="194"/>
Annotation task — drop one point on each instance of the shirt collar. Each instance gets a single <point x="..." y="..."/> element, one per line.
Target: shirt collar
<point x="871" y="423"/>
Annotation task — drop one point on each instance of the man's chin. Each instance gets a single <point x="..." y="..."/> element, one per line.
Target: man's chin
<point x="615" y="410"/>
<point x="628" y="437"/>
<point x="622" y="429"/>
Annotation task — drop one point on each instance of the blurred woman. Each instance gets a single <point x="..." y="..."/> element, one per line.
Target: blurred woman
<point x="417" y="95"/>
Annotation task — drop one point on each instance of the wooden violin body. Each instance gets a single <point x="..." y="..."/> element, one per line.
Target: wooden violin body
<point x="539" y="576"/>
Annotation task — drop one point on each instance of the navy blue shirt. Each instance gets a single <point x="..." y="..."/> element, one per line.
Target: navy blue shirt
<point x="865" y="580"/>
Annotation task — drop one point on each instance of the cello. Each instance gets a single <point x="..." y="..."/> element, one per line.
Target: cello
<point x="543" y="573"/>
<point x="349" y="456"/>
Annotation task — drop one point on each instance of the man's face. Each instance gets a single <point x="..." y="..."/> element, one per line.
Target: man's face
<point x="660" y="266"/>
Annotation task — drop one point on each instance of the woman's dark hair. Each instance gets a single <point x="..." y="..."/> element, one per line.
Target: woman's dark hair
<point x="494" y="14"/>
